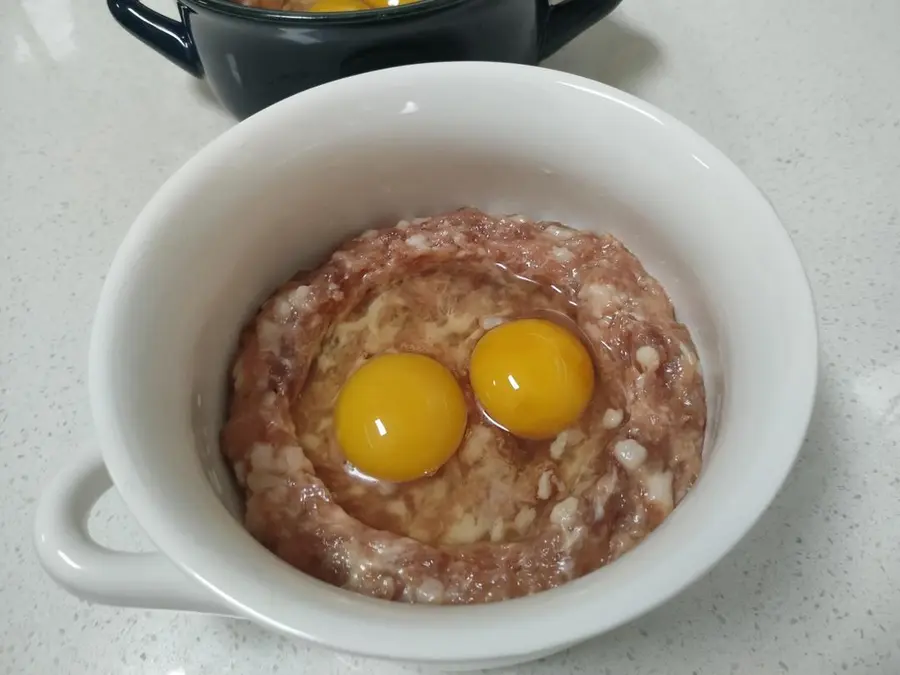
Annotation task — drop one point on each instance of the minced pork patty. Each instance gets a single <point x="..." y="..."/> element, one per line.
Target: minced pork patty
<point x="504" y="517"/>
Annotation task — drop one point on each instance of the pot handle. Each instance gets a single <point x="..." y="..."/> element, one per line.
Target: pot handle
<point x="170" y="38"/>
<point x="95" y="573"/>
<point x="568" y="19"/>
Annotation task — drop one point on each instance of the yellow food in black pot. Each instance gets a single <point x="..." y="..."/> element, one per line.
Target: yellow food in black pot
<point x="325" y="6"/>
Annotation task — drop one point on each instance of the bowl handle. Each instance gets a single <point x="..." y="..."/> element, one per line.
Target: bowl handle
<point x="170" y="38"/>
<point x="570" y="18"/>
<point x="93" y="572"/>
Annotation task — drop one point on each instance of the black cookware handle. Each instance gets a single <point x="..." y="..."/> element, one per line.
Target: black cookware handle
<point x="170" y="38"/>
<point x="568" y="19"/>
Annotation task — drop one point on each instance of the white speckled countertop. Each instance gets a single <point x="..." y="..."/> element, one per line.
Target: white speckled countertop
<point x="803" y="94"/>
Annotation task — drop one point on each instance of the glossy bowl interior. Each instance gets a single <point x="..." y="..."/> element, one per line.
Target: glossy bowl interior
<point x="279" y="191"/>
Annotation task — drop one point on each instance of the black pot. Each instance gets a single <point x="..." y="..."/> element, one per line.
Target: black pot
<point x="253" y="58"/>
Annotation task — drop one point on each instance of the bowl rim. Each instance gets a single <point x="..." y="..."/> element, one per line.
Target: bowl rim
<point x="376" y="641"/>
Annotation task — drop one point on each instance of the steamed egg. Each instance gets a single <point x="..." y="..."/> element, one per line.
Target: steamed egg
<point x="532" y="377"/>
<point x="354" y="5"/>
<point x="339" y="6"/>
<point x="400" y="417"/>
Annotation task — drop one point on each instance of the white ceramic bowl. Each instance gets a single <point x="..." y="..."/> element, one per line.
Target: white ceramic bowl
<point x="278" y="192"/>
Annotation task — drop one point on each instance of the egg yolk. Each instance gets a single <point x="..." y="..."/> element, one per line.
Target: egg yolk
<point x="400" y="417"/>
<point x="532" y="377"/>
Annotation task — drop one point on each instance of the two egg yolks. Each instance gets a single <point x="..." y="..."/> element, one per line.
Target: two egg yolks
<point x="400" y="417"/>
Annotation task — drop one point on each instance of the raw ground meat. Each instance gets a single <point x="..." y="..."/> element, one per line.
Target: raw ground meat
<point x="504" y="517"/>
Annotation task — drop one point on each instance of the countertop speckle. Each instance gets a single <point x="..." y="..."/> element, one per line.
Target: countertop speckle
<point x="802" y="95"/>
